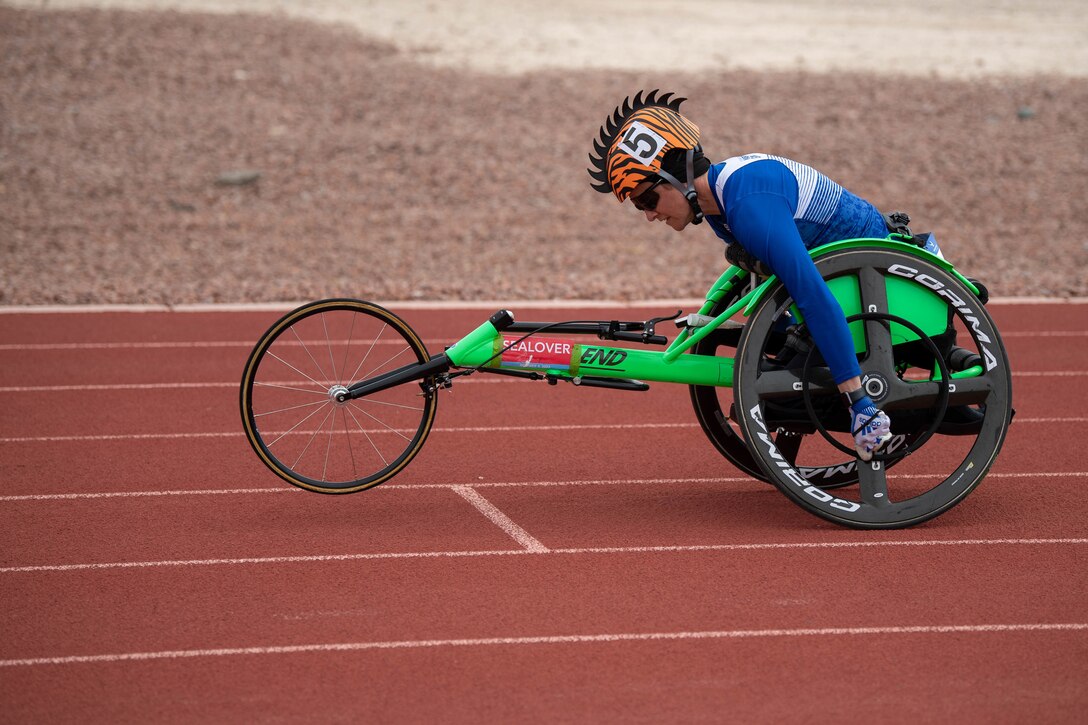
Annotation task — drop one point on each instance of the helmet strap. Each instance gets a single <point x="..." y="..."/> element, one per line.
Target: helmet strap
<point x="687" y="190"/>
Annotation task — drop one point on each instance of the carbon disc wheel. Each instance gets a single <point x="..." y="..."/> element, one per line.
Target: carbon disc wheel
<point x="940" y="473"/>
<point x="292" y="389"/>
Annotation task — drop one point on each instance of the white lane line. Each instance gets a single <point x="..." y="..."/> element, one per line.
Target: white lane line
<point x="468" y="305"/>
<point x="492" y="484"/>
<point x="192" y="344"/>
<point x="473" y="380"/>
<point x="386" y="487"/>
<point x="234" y="434"/>
<point x="1045" y="333"/>
<point x="538" y="549"/>
<point x="143" y="494"/>
<point x="500" y="519"/>
<point x="434" y="343"/>
<point x="611" y="638"/>
<point x="462" y="429"/>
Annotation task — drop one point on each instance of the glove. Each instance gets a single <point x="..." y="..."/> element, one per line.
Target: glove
<point x="871" y="426"/>
<point x="738" y="256"/>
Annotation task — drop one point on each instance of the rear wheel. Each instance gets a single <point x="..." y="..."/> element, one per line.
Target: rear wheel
<point x="713" y="405"/>
<point x="901" y="377"/>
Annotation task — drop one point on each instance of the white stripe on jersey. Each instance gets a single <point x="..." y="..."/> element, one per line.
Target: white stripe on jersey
<point x="817" y="195"/>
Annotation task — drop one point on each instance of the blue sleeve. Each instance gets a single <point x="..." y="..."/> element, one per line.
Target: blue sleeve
<point x="763" y="224"/>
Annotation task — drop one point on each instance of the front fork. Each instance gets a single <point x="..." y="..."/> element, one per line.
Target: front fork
<point x="414" y="371"/>
<point x="437" y="365"/>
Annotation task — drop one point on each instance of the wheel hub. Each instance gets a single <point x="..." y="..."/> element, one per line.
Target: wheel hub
<point x="875" y="385"/>
<point x="338" y="394"/>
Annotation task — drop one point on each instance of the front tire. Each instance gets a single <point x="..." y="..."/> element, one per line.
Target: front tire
<point x="290" y="397"/>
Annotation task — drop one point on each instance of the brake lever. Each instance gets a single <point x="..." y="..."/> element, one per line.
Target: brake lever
<point x="648" y="326"/>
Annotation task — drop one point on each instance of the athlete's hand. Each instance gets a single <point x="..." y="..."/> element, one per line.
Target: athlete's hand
<point x="738" y="256"/>
<point x="872" y="429"/>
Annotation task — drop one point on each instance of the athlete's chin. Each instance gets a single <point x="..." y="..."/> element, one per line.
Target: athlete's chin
<point x="678" y="224"/>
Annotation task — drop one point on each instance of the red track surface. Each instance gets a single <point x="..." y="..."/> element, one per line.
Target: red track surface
<point x="153" y="570"/>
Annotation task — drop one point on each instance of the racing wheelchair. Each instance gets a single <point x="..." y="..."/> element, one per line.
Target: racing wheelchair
<point x="340" y="395"/>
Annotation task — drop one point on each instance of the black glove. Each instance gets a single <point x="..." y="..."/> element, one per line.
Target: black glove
<point x="738" y="256"/>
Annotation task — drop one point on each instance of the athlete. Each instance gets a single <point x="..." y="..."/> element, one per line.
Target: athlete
<point x="768" y="210"/>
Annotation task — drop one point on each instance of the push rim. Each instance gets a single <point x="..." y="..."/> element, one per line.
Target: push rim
<point x="714" y="409"/>
<point x="916" y="439"/>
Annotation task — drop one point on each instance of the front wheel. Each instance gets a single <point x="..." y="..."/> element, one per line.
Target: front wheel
<point x="291" y="394"/>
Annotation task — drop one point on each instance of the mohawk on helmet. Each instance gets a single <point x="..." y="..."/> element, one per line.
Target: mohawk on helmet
<point x="634" y="140"/>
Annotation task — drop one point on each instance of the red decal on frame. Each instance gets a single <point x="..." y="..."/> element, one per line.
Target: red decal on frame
<point x="537" y="352"/>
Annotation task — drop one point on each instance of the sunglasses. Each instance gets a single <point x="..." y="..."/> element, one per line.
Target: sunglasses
<point x="647" y="200"/>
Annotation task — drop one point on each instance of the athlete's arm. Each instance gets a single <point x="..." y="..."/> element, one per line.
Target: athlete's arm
<point x="763" y="224"/>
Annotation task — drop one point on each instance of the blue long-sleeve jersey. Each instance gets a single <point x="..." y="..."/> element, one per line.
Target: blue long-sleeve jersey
<point x="777" y="209"/>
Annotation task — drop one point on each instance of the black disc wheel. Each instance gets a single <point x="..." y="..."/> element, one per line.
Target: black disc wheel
<point x="294" y="409"/>
<point x="712" y="404"/>
<point x="930" y="357"/>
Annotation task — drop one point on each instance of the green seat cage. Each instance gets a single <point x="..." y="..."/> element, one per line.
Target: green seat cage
<point x="906" y="298"/>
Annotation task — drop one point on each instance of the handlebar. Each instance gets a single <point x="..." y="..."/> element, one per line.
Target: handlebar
<point x="639" y="337"/>
<point x="640" y="332"/>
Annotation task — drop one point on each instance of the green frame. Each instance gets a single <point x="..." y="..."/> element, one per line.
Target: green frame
<point x="482" y="347"/>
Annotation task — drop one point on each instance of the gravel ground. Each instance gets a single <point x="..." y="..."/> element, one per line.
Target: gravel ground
<point x="176" y="158"/>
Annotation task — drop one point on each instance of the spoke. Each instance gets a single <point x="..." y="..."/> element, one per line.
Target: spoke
<point x="293" y="407"/>
<point x="355" y="375"/>
<point x="404" y="350"/>
<point x="381" y="423"/>
<point x="878" y="342"/>
<point x="328" y="343"/>
<point x="277" y="357"/>
<point x="970" y="391"/>
<point x="347" y="348"/>
<point x="369" y="439"/>
<point x="788" y="444"/>
<point x="786" y="384"/>
<point x="328" y="448"/>
<point x="391" y="405"/>
<point x="351" y="451"/>
<point x="307" y="446"/>
<point x="776" y="384"/>
<point x="924" y="394"/>
<point x="874" y="294"/>
<point x="878" y="336"/>
<point x="310" y="354"/>
<point x="292" y="428"/>
<point x="873" y="480"/>
<point x="322" y="393"/>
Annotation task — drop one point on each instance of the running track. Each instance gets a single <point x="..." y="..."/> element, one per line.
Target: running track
<point x="554" y="554"/>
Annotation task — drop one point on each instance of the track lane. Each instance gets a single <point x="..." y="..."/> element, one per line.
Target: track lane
<point x="186" y="606"/>
<point x="567" y="515"/>
<point x="516" y="454"/>
<point x="908" y="679"/>
<point x="479" y="597"/>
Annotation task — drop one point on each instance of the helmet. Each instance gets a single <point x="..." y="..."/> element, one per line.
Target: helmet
<point x="634" y="140"/>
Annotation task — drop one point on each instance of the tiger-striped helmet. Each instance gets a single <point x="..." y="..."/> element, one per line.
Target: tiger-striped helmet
<point x="634" y="140"/>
